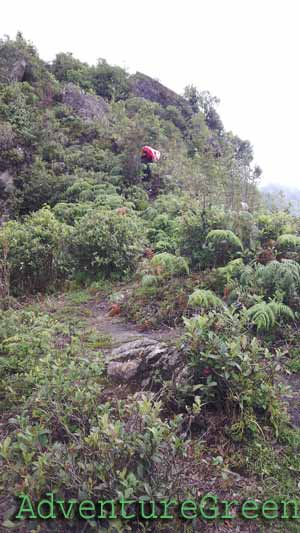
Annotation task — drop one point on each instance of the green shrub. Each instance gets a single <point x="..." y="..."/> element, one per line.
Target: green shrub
<point x="62" y="438"/>
<point x="36" y="252"/>
<point x="193" y="228"/>
<point x="69" y="213"/>
<point x="271" y="226"/>
<point x="230" y="370"/>
<point x="224" y="244"/>
<point x="105" y="243"/>
<point x="288" y="243"/>
<point x="163" y="233"/>
<point x="230" y="272"/>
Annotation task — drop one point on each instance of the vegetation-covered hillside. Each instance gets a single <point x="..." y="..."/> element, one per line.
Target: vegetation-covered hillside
<point x="149" y="341"/>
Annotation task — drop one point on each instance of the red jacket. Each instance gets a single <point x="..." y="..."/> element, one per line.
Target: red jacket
<point x="150" y="154"/>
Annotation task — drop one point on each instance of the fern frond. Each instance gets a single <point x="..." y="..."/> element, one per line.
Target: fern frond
<point x="264" y="315"/>
<point x="218" y="236"/>
<point x="281" y="310"/>
<point x="170" y="264"/>
<point x="284" y="275"/>
<point x="148" y="280"/>
<point x="205" y="299"/>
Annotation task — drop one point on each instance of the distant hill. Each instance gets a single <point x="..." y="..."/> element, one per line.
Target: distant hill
<point x="281" y="196"/>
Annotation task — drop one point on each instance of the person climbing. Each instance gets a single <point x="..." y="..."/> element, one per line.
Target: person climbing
<point x="149" y="155"/>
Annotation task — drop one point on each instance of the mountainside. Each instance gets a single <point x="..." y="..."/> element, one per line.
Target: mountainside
<point x="149" y="311"/>
<point x="65" y="121"/>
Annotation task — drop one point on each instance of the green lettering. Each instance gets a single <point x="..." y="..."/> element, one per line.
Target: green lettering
<point x="166" y="504"/>
<point x="153" y="509"/>
<point x="188" y="505"/>
<point x="123" y="511"/>
<point x="285" y="515"/>
<point x="61" y="505"/>
<point x="23" y="509"/>
<point x="48" y="503"/>
<point x="215" y="509"/>
<point x="87" y="505"/>
<point x="103" y="514"/>
<point x="269" y="506"/>
<point x="228" y="504"/>
<point x="248" y="506"/>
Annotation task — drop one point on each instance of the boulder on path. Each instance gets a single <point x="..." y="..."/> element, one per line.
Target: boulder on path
<point x="143" y="359"/>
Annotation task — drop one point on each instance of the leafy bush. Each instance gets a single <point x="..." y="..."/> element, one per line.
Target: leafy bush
<point x="288" y="242"/>
<point x="36" y="253"/>
<point x="271" y="226"/>
<point x="114" y="449"/>
<point x="230" y="272"/>
<point x="162" y="233"/>
<point x="224" y="244"/>
<point x="193" y="229"/>
<point x="228" y="369"/>
<point x="106" y="244"/>
<point x="69" y="213"/>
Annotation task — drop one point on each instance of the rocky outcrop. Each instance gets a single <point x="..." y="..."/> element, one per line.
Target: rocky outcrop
<point x="13" y="64"/>
<point x="6" y="180"/>
<point x="89" y="107"/>
<point x="146" y="87"/>
<point x="18" y="70"/>
<point x="144" y="360"/>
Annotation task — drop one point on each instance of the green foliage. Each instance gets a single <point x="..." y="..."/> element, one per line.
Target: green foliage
<point x="283" y="276"/>
<point x="148" y="280"/>
<point x="271" y="226"/>
<point x="205" y="299"/>
<point x="245" y="227"/>
<point x="265" y="315"/>
<point x="227" y="238"/>
<point x="288" y="242"/>
<point x="106" y="244"/>
<point x="36" y="254"/>
<point x="229" y="369"/>
<point x="224" y="244"/>
<point x="193" y="227"/>
<point x="231" y="271"/>
<point x="114" y="449"/>
<point x="167" y="265"/>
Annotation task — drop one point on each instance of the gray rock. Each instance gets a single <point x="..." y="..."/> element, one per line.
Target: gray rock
<point x="142" y="359"/>
<point x="86" y="106"/>
<point x="150" y="89"/>
<point x="18" y="70"/>
<point x="6" y="179"/>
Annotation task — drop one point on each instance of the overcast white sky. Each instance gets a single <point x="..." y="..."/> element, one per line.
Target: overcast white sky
<point x="246" y="52"/>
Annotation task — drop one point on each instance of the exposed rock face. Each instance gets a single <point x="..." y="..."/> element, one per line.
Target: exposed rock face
<point x="18" y="70"/>
<point x="145" y="87"/>
<point x="6" y="179"/>
<point x="13" y="63"/>
<point x="86" y="106"/>
<point x="142" y="359"/>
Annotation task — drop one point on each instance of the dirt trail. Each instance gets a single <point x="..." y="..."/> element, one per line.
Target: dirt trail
<point x="122" y="331"/>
